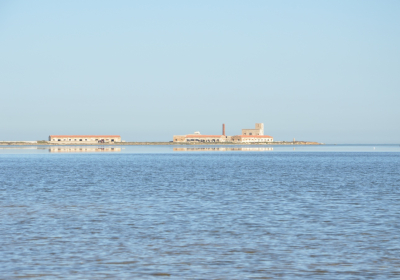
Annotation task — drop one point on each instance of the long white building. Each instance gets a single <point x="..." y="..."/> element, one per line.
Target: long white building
<point x="85" y="138"/>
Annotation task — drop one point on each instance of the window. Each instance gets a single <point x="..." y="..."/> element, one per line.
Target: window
<point x="59" y="139"/>
<point x="80" y="139"/>
<point x="250" y="133"/>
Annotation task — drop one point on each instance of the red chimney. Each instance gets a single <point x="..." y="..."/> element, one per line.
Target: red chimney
<point x="223" y="129"/>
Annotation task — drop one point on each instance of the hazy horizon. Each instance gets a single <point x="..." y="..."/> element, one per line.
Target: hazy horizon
<point x="311" y="70"/>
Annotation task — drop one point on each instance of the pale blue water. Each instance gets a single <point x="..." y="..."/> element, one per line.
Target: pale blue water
<point x="329" y="212"/>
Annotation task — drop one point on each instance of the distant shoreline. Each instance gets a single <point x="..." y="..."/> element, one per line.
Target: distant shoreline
<point x="45" y="143"/>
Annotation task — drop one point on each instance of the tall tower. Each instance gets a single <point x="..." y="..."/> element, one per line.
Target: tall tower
<point x="223" y="129"/>
<point x="260" y="127"/>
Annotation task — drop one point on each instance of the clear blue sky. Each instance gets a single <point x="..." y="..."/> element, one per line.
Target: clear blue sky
<point x="325" y="71"/>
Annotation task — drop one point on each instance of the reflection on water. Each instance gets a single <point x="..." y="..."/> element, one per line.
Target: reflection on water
<point x="222" y="149"/>
<point x="141" y="149"/>
<point x="83" y="150"/>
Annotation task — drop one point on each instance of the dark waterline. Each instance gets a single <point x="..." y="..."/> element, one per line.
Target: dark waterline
<point x="212" y="215"/>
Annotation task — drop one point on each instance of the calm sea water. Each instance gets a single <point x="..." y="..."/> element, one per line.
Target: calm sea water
<point x="330" y="212"/>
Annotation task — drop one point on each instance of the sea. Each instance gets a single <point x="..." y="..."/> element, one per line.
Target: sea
<point x="200" y="212"/>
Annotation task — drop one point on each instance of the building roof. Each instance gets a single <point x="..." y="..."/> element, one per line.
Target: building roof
<point x="85" y="136"/>
<point x="253" y="136"/>
<point x="203" y="136"/>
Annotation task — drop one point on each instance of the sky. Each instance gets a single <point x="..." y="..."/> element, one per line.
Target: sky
<point x="326" y="71"/>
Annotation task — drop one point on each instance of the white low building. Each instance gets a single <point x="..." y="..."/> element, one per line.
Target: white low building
<point x="252" y="138"/>
<point x="85" y="138"/>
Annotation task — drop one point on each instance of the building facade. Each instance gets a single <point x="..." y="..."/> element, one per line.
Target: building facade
<point x="252" y="138"/>
<point x="85" y="138"/>
<point x="259" y="130"/>
<point x="200" y="138"/>
<point x="205" y="138"/>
